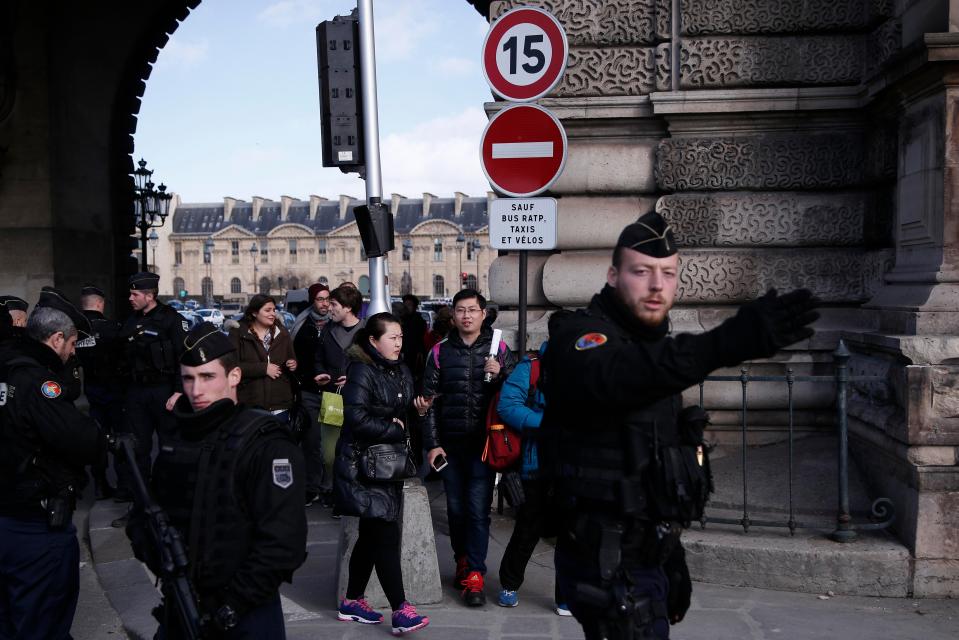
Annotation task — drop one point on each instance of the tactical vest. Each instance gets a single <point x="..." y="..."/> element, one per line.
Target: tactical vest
<point x="148" y="351"/>
<point x="196" y="484"/>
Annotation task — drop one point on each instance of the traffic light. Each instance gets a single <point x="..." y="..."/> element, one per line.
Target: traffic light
<point x="463" y="278"/>
<point x="375" y="223"/>
<point x="341" y="103"/>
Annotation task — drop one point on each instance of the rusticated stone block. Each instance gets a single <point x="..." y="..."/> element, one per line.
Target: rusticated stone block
<point x="936" y="578"/>
<point x="770" y="161"/>
<point x="937" y="530"/>
<point x="703" y="17"/>
<point x="767" y="219"/>
<point x="611" y="71"/>
<point x="602" y="22"/>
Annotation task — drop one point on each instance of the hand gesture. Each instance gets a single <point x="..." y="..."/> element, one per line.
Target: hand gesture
<point x="423" y="404"/>
<point x="492" y="366"/>
<point x="322" y="379"/>
<point x="273" y="370"/>
<point x="291" y="364"/>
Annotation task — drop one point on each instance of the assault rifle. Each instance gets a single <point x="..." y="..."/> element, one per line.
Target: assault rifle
<point x="178" y="595"/>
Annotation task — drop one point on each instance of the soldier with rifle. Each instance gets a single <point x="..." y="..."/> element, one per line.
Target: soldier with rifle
<point x="232" y="481"/>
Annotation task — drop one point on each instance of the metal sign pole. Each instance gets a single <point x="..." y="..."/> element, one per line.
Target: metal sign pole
<point x="521" y="330"/>
<point x="371" y="146"/>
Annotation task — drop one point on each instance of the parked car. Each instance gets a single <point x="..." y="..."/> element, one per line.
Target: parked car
<point x="213" y="316"/>
<point x="175" y="304"/>
<point x="230" y="309"/>
<point x="192" y="305"/>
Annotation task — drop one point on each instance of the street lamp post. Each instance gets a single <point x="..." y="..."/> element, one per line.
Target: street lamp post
<point x="253" y="252"/>
<point x="154" y="240"/>
<point x="208" y="261"/>
<point x="460" y="243"/>
<point x="407" y="258"/>
<point x="475" y="246"/>
<point x="151" y="206"/>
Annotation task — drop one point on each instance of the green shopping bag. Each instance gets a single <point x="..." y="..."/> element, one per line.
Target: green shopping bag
<point x="331" y="409"/>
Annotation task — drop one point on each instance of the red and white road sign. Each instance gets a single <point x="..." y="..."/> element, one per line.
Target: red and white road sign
<point x="523" y="150"/>
<point x="524" y="54"/>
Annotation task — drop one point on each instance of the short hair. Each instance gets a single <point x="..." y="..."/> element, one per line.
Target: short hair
<point x="153" y="292"/>
<point x="409" y="297"/>
<point x="349" y="297"/>
<point x="230" y="361"/>
<point x="85" y="299"/>
<point x="618" y="256"/>
<point x="46" y="321"/>
<point x="467" y="294"/>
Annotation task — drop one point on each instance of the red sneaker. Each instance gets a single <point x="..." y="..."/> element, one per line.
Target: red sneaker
<point x="473" y="594"/>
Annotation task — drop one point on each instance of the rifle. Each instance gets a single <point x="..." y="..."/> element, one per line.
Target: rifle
<point x="173" y="572"/>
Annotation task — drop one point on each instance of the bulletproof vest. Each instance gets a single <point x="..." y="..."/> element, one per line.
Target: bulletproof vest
<point x="147" y="349"/>
<point x="97" y="352"/>
<point x="195" y="483"/>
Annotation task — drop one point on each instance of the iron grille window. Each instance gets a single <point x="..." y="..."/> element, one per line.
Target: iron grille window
<point x="235" y="251"/>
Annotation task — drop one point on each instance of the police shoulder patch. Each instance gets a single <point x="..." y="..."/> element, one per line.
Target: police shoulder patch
<point x="591" y="341"/>
<point x="50" y="389"/>
<point x="282" y="473"/>
<point x="185" y="325"/>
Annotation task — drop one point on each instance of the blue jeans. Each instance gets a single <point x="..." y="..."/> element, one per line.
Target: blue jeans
<point x="469" y="493"/>
<point x="39" y="579"/>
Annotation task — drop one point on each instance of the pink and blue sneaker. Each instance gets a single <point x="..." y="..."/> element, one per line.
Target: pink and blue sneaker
<point x="359" y="610"/>
<point x="406" y="620"/>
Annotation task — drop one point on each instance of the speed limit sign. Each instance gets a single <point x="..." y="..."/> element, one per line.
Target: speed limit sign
<point x="524" y="54"/>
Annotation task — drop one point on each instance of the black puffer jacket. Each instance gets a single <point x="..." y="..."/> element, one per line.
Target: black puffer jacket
<point x="376" y="391"/>
<point x="454" y="372"/>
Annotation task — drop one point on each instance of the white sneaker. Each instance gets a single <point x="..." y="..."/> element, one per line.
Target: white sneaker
<point x="563" y="610"/>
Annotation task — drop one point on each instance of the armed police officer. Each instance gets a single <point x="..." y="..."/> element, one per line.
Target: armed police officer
<point x="99" y="358"/>
<point x="628" y="460"/>
<point x="152" y="341"/>
<point x="233" y="483"/>
<point x="44" y="444"/>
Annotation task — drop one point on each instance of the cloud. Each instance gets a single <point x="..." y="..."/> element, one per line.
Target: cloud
<point x="401" y="26"/>
<point x="182" y="53"/>
<point x="289" y="12"/>
<point x="453" y="66"/>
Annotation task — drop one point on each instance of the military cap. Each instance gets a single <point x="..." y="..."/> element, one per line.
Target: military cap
<point x="13" y="303"/>
<point x="650" y="235"/>
<point x="205" y="343"/>
<point x="92" y="290"/>
<point x="144" y="280"/>
<point x="54" y="299"/>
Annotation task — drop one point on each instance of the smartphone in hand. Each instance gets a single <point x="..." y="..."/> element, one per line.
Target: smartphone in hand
<point x="439" y="462"/>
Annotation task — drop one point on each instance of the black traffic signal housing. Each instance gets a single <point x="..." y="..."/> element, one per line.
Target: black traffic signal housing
<point x="375" y="223"/>
<point x="341" y="100"/>
<point x="463" y="278"/>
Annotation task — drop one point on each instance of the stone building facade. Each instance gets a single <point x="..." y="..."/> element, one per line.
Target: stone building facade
<point x="299" y="242"/>
<point x="797" y="143"/>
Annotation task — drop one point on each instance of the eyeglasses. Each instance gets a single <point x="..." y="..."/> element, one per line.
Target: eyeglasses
<point x="471" y="311"/>
<point x="322" y="299"/>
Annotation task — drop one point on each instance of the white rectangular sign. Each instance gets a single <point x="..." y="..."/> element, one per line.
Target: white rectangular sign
<point x="523" y="224"/>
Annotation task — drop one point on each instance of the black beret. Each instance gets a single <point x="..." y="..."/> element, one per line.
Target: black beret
<point x="650" y="235"/>
<point x="13" y="303"/>
<point x="205" y="343"/>
<point x="54" y="299"/>
<point x="144" y="280"/>
<point x="92" y="290"/>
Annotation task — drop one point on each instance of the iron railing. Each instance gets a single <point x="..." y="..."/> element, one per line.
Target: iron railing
<point x="883" y="510"/>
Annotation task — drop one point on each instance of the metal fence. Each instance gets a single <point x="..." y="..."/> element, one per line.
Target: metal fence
<point x="883" y="510"/>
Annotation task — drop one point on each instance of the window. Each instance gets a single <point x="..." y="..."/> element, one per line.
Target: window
<point x="364" y="285"/>
<point x="236" y="286"/>
<point x="207" y="256"/>
<point x="321" y="249"/>
<point x="471" y="282"/>
<point x="265" y="285"/>
<point x="179" y="286"/>
<point x="294" y="283"/>
<point x="292" y="251"/>
<point x="264" y="252"/>
<point x="437" y="250"/>
<point x="407" y="250"/>
<point x="235" y="252"/>
<point x="439" y="287"/>
<point x="279" y="283"/>
<point x="178" y="253"/>
<point x="206" y="287"/>
<point x="470" y="252"/>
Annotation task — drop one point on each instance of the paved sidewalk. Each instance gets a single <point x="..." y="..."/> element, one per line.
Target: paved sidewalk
<point x="718" y="612"/>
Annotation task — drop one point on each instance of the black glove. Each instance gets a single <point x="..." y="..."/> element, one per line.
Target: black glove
<point x="766" y="325"/>
<point x="692" y="422"/>
<point x="680" y="585"/>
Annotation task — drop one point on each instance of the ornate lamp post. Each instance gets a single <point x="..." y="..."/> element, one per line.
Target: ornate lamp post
<point x="475" y="246"/>
<point x="151" y="206"/>
<point x="208" y="261"/>
<point x="254" y="250"/>
<point x="460" y="243"/>
<point x="406" y="286"/>
<point x="154" y="240"/>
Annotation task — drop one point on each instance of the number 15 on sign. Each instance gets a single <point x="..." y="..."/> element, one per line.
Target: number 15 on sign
<point x="524" y="54"/>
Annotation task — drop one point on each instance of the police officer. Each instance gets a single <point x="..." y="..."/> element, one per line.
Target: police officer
<point x="624" y="454"/>
<point x="17" y="308"/>
<point x="233" y="483"/>
<point x="99" y="358"/>
<point x="152" y="341"/>
<point x="44" y="444"/>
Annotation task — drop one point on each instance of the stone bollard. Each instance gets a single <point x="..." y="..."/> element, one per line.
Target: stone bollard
<point x="421" y="570"/>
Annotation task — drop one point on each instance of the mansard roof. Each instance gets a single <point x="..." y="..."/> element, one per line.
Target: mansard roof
<point x="208" y="218"/>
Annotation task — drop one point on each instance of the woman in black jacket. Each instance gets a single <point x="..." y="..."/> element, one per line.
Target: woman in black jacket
<point x="376" y="398"/>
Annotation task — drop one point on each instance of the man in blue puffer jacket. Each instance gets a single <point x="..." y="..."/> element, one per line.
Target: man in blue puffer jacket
<point x="521" y="406"/>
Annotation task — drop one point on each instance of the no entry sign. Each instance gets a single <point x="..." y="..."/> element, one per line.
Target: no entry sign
<point x="523" y="150"/>
<point x="524" y="54"/>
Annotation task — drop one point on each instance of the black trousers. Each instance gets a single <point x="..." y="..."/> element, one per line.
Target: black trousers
<point x="145" y="413"/>
<point x="264" y="621"/>
<point x="106" y="409"/>
<point x="378" y="545"/>
<point x="526" y="533"/>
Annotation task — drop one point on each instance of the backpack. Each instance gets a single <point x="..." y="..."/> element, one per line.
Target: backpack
<point x="503" y="443"/>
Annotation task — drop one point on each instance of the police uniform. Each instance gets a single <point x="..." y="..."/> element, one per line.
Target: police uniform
<point x="626" y="477"/>
<point x="8" y="304"/>
<point x="233" y="483"/>
<point x="100" y="359"/>
<point x="151" y="343"/>
<point x="44" y="444"/>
